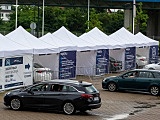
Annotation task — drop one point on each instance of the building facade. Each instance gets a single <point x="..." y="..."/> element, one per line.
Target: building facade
<point x="5" y="10"/>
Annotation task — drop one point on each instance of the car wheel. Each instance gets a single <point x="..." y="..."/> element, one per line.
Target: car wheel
<point x="68" y="108"/>
<point x="112" y="86"/>
<point x="154" y="90"/>
<point x="15" y="104"/>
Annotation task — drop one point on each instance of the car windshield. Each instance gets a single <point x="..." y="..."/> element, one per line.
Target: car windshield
<point x="36" y="65"/>
<point x="90" y="89"/>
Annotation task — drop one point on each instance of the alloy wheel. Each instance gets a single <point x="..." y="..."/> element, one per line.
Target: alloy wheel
<point x="68" y="108"/>
<point x="15" y="104"/>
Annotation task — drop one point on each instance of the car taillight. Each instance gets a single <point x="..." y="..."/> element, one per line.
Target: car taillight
<point x="39" y="71"/>
<point x="115" y="64"/>
<point x="87" y="96"/>
<point x="142" y="59"/>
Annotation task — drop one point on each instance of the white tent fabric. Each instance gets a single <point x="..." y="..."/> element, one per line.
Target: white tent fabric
<point x="97" y="44"/>
<point x="126" y="38"/>
<point x="24" y="38"/>
<point x="146" y="40"/>
<point x="50" y="61"/>
<point x="102" y="38"/>
<point x="86" y="62"/>
<point x="70" y="38"/>
<point x="11" y="48"/>
<point x="60" y="43"/>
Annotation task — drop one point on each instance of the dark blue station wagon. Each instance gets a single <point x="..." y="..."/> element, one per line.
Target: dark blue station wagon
<point x="135" y="80"/>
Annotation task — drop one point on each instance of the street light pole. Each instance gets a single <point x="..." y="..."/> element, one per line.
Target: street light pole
<point x="88" y="13"/>
<point x="16" y="13"/>
<point x="43" y="20"/>
<point x="134" y="14"/>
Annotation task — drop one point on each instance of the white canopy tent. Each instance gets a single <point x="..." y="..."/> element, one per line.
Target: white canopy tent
<point x="146" y="40"/>
<point x="53" y="59"/>
<point x="125" y="38"/>
<point x="116" y="49"/>
<point x="148" y="43"/>
<point x="12" y="67"/>
<point x="10" y="48"/>
<point x="85" y="51"/>
<point x="24" y="38"/>
<point x="101" y="38"/>
<point x="67" y="37"/>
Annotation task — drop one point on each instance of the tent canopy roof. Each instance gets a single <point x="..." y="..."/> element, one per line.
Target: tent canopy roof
<point x="22" y="37"/>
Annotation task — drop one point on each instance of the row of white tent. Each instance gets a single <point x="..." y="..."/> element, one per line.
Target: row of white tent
<point x="66" y="54"/>
<point x="21" y="42"/>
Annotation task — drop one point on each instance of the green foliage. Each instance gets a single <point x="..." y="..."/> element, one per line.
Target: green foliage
<point x="74" y="19"/>
<point x="112" y="21"/>
<point x="141" y="18"/>
<point x="94" y="20"/>
<point x="54" y="18"/>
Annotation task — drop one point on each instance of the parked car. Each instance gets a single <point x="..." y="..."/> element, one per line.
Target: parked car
<point x="114" y="65"/>
<point x="153" y="66"/>
<point x="141" y="61"/>
<point x="65" y="95"/>
<point x="134" y="80"/>
<point x="41" y="73"/>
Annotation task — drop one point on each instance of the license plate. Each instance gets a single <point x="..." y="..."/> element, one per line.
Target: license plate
<point x="96" y="98"/>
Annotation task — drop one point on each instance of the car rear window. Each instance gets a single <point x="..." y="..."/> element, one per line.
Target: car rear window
<point x="90" y="89"/>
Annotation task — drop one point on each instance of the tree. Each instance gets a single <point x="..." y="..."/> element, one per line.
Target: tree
<point x="76" y="18"/>
<point x="111" y="22"/>
<point x="54" y="18"/>
<point x="26" y="15"/>
<point x="94" y="20"/>
<point x="141" y="19"/>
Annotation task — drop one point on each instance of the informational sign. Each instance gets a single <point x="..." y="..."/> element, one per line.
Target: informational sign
<point x="67" y="65"/>
<point x="18" y="71"/>
<point x="153" y="54"/>
<point x="102" y="61"/>
<point x="130" y="59"/>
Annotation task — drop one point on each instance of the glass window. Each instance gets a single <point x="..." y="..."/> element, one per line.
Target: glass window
<point x="156" y="74"/>
<point x="69" y="89"/>
<point x="41" y="87"/>
<point x="56" y="87"/>
<point x="131" y="74"/>
<point x="145" y="74"/>
<point x="90" y="89"/>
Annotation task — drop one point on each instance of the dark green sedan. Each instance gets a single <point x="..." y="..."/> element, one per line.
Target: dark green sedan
<point x="134" y="80"/>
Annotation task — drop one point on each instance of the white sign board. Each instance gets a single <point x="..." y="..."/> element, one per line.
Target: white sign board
<point x="17" y="71"/>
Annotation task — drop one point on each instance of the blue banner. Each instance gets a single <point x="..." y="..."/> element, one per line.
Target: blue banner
<point x="153" y="54"/>
<point x="130" y="59"/>
<point x="13" y="84"/>
<point x="13" y="61"/>
<point x="102" y="61"/>
<point x="67" y="65"/>
<point x="0" y="62"/>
